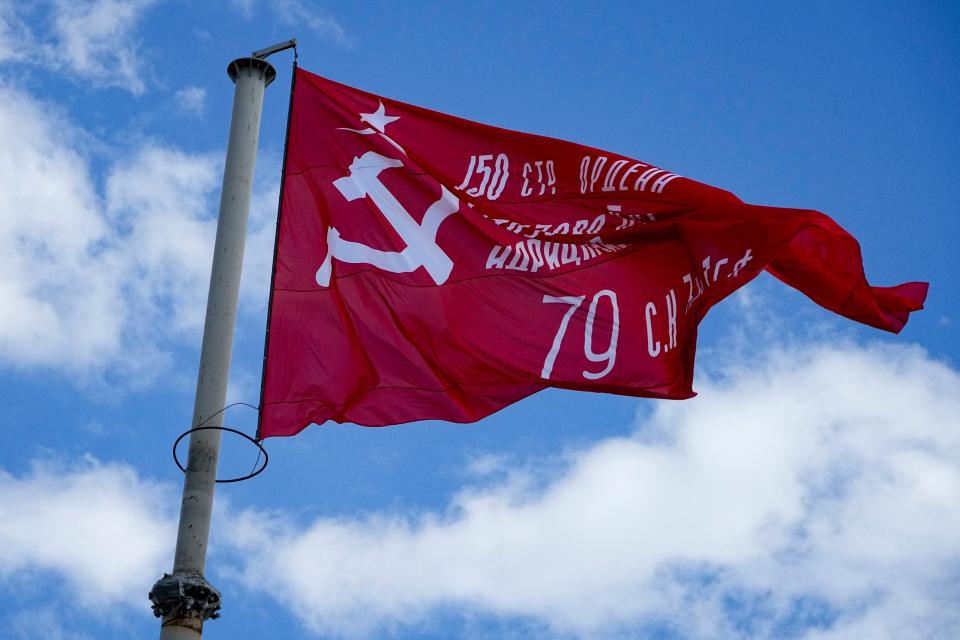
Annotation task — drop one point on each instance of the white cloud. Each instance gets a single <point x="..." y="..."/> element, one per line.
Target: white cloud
<point x="111" y="277"/>
<point x="814" y="491"/>
<point x="14" y="33"/>
<point x="54" y="287"/>
<point x="94" y="39"/>
<point x="294" y="13"/>
<point x="297" y="14"/>
<point x="245" y="7"/>
<point x="41" y="624"/>
<point x="487" y="464"/>
<point x="191" y="100"/>
<point x="159" y="205"/>
<point x="96" y="526"/>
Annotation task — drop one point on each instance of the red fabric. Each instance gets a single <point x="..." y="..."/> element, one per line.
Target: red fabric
<point x="429" y="267"/>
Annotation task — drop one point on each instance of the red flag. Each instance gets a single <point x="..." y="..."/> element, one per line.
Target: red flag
<point x="430" y="267"/>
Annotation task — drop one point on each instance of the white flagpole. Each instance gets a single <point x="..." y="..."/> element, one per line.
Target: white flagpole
<point x="184" y="599"/>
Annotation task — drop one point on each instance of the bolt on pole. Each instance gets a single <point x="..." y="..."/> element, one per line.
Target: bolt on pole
<point x="184" y="599"/>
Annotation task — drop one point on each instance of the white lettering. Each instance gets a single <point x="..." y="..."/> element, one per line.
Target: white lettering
<point x="563" y="227"/>
<point x="741" y="263"/>
<point x="663" y="181"/>
<point x="671" y="319"/>
<point x="551" y="252"/>
<point x="597" y="169"/>
<point x="590" y="250"/>
<point x="610" y="354"/>
<point x="716" y="268"/>
<point x="569" y="254"/>
<point x="653" y="348"/>
<point x="538" y="230"/>
<point x="498" y="256"/>
<point x="612" y="175"/>
<point x="597" y="224"/>
<point x="525" y="190"/>
<point x="466" y="178"/>
<point x="644" y="178"/>
<point x="499" y="177"/>
<point x="521" y="259"/>
<point x="536" y="255"/>
<point x="632" y="169"/>
<point x="485" y="170"/>
<point x="574" y="303"/>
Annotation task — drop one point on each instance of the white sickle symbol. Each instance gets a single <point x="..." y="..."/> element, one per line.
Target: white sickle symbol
<point x="421" y="239"/>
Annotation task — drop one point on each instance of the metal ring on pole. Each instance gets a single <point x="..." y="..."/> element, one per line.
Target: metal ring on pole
<point x="258" y="65"/>
<point x="256" y="443"/>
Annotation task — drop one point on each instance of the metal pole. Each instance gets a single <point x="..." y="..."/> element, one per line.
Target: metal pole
<point x="185" y="599"/>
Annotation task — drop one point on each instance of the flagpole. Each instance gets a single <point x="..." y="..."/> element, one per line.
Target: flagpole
<point x="184" y="599"/>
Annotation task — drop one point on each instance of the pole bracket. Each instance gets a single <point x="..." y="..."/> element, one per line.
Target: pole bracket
<point x="185" y="595"/>
<point x="272" y="49"/>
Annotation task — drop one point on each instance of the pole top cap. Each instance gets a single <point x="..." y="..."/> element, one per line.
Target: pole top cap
<point x="251" y="65"/>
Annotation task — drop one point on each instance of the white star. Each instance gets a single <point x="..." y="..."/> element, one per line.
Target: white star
<point x="378" y="119"/>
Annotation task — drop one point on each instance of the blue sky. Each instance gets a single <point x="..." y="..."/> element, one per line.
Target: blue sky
<point x="812" y="490"/>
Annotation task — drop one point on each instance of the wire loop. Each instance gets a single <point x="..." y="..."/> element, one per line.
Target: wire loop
<point x="257" y="443"/>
